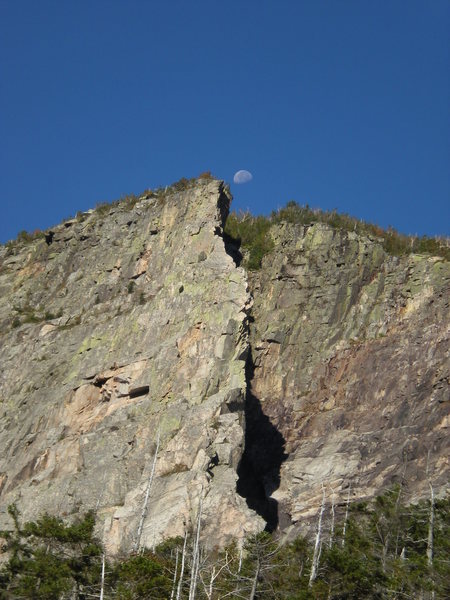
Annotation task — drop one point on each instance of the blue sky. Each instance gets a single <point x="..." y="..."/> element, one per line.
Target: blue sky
<point x="338" y="103"/>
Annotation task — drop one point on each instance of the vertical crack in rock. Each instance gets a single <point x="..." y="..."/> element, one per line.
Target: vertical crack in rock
<point x="232" y="248"/>
<point x="259" y="469"/>
<point x="260" y="465"/>
<point x="165" y="353"/>
<point x="348" y="366"/>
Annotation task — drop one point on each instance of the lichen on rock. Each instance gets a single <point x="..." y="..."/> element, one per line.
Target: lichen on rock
<point x="149" y="339"/>
<point x="131" y="332"/>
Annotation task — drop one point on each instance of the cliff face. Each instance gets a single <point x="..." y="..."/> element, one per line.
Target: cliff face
<point x="350" y="351"/>
<point x="131" y="330"/>
<point x="152" y="338"/>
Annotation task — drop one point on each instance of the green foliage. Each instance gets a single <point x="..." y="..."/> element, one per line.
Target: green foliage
<point x="383" y="556"/>
<point x="49" y="558"/>
<point x="29" y="315"/>
<point x="143" y="576"/>
<point x="185" y="184"/>
<point x="23" y="237"/>
<point x="207" y="175"/>
<point x="103" y="208"/>
<point x="26" y="236"/>
<point x="129" y="200"/>
<point x="50" y="527"/>
<point x="253" y="233"/>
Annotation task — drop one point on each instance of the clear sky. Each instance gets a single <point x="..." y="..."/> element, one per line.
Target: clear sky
<point x="338" y="103"/>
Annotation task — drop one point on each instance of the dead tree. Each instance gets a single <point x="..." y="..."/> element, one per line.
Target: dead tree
<point x="196" y="550"/>
<point x="318" y="542"/>
<point x="174" y="585"/>
<point x="183" y="562"/>
<point x="137" y="542"/>
<point x="344" y="528"/>
<point x="102" y="584"/>
<point x="330" y="543"/>
<point x="255" y="579"/>
<point x="216" y="571"/>
<point x="430" y="528"/>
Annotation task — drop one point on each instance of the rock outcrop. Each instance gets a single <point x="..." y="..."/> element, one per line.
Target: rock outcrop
<point x="350" y="351"/>
<point x="151" y="341"/>
<point x="129" y="331"/>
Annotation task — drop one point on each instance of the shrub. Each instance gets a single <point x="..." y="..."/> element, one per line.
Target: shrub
<point x="253" y="232"/>
<point x="206" y="175"/>
<point x="49" y="558"/>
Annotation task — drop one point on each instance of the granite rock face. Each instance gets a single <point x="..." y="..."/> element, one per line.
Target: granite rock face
<point x="131" y="330"/>
<point x="350" y="351"/>
<point x="150" y="340"/>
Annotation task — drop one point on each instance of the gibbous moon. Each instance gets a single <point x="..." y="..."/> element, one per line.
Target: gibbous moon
<point x="242" y="177"/>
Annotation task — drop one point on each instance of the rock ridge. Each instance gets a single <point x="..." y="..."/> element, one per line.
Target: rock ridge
<point x="151" y="336"/>
<point x="351" y="367"/>
<point x="131" y="331"/>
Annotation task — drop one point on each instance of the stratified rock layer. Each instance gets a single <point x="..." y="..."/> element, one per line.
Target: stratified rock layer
<point x="151" y="341"/>
<point x="351" y="364"/>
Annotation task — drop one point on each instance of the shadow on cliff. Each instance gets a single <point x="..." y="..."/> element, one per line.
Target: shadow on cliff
<point x="232" y="247"/>
<point x="259" y="469"/>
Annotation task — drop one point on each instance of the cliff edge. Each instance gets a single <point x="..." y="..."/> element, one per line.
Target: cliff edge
<point x="148" y="377"/>
<point x="123" y="327"/>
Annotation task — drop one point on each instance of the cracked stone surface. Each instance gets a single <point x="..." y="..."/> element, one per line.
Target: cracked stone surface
<point x="145" y="331"/>
<point x="351" y="353"/>
<point x="131" y="322"/>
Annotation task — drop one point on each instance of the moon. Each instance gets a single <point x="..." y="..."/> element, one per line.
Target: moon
<point x="242" y="176"/>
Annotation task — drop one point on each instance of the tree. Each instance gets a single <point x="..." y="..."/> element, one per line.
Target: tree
<point x="49" y="558"/>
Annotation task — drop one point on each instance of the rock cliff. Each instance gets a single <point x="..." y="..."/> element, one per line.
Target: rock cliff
<point x="130" y="332"/>
<point x="350" y="367"/>
<point x="151" y="342"/>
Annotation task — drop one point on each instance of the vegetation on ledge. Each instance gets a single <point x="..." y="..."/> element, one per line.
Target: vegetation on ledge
<point x="103" y="208"/>
<point x="378" y="550"/>
<point x="253" y="232"/>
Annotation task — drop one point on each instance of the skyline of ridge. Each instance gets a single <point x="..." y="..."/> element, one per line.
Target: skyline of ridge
<point x="337" y="105"/>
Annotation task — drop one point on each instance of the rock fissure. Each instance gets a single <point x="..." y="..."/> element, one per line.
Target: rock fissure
<point x="326" y="367"/>
<point x="259" y="468"/>
<point x="264" y="453"/>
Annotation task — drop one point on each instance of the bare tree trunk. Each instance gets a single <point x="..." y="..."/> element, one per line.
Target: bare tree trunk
<point x="430" y="542"/>
<point x="211" y="583"/>
<point x="385" y="552"/>
<point x="195" y="555"/>
<point x="255" y="580"/>
<point x="332" y="520"/>
<point x="344" y="529"/>
<point x="317" y="543"/>
<point x="183" y="560"/>
<point x="174" y="585"/>
<point x="102" y="584"/>
<point x="397" y="504"/>
<point x="430" y="528"/>
<point x="137" y="542"/>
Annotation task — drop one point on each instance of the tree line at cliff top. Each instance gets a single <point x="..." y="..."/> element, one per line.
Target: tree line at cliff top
<point x="377" y="550"/>
<point x="252" y="231"/>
